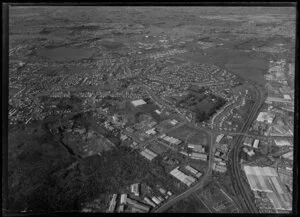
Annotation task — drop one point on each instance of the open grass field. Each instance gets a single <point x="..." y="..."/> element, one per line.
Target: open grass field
<point x="217" y="199"/>
<point x="189" y="204"/>
<point x="181" y="132"/>
<point x="157" y="148"/>
<point x="199" y="138"/>
<point x="198" y="164"/>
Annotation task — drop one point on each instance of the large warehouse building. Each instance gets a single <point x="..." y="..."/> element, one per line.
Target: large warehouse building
<point x="266" y="179"/>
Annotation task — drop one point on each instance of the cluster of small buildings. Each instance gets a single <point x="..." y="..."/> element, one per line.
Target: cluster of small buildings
<point x="266" y="117"/>
<point x="221" y="154"/>
<point x="249" y="142"/>
<point x="134" y="203"/>
<point x="193" y="171"/>
<point x="199" y="156"/>
<point x="150" y="155"/>
<point x="198" y="152"/>
<point x="183" y="177"/>
<point x="186" y="179"/>
<point x="197" y="148"/>
<point x="170" y="140"/>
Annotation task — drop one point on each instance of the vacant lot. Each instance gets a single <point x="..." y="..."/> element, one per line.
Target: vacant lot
<point x="199" y="138"/>
<point x="181" y="132"/>
<point x="217" y="199"/>
<point x="157" y="148"/>
<point x="189" y="204"/>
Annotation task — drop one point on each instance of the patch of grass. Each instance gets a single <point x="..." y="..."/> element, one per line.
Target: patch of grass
<point x="189" y="204"/>
<point x="157" y="148"/>
<point x="181" y="132"/>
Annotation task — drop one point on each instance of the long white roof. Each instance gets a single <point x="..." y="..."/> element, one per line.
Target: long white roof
<point x="138" y="102"/>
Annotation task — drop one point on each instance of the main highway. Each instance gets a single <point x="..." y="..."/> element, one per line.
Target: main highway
<point x="236" y="177"/>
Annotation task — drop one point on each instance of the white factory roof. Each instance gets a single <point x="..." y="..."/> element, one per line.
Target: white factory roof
<point x="151" y="131"/>
<point x="123" y="198"/>
<point x="255" y="144"/>
<point x="147" y="200"/>
<point x="138" y="102"/>
<point x="265" y="116"/>
<point x="282" y="142"/>
<point x="148" y="154"/>
<point x="156" y="200"/>
<point x="286" y="96"/>
<point x="170" y="139"/>
<point x="188" y="180"/>
<point x="289" y="155"/>
<point x="191" y="169"/>
<point x="157" y="111"/>
<point x="266" y="171"/>
<point x="219" y="137"/>
<point x="199" y="148"/>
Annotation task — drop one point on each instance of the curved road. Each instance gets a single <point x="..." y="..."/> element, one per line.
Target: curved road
<point x="194" y="188"/>
<point x="240" y="186"/>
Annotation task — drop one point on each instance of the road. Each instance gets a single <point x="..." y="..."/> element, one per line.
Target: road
<point x="198" y="185"/>
<point x="240" y="185"/>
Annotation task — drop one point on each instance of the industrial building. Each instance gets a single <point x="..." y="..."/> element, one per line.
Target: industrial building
<point x="265" y="117"/>
<point x="188" y="180"/>
<point x="123" y="199"/>
<point x="137" y="205"/>
<point x="248" y="141"/>
<point x="160" y="198"/>
<point x="162" y="190"/>
<point x="112" y="203"/>
<point x="277" y="99"/>
<point x="282" y="142"/>
<point x="135" y="188"/>
<point x="197" y="148"/>
<point x="158" y="112"/>
<point x="121" y="208"/>
<point x="136" y="210"/>
<point x="256" y="143"/>
<point x="287" y="97"/>
<point x="138" y="102"/>
<point x="289" y="155"/>
<point x="150" y="155"/>
<point x="156" y="200"/>
<point x="199" y="156"/>
<point x="219" y="137"/>
<point x="173" y="122"/>
<point x="170" y="140"/>
<point x="250" y="153"/>
<point x="184" y="153"/>
<point x="266" y="179"/>
<point x="152" y="131"/>
<point x="147" y="200"/>
<point x="194" y="171"/>
<point x="220" y="167"/>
